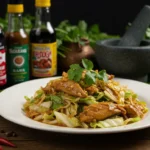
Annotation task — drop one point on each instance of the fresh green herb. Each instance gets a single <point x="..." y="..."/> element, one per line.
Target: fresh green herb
<point x="82" y="27"/>
<point x="75" y="72"/>
<point x="90" y="78"/>
<point x="66" y="32"/>
<point x="102" y="75"/>
<point x="56" y="102"/>
<point x="87" y="64"/>
<point x="27" y="20"/>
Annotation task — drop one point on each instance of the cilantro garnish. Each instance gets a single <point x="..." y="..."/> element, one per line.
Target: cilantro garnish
<point x="75" y="73"/>
<point x="56" y="102"/>
<point x="102" y="75"/>
<point x="87" y="64"/>
<point x="90" y="78"/>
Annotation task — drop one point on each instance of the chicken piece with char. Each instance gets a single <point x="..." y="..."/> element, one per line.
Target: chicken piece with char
<point x="100" y="111"/>
<point x="134" y="111"/>
<point x="69" y="87"/>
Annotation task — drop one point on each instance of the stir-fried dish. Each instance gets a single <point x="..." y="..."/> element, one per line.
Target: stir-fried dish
<point x="85" y="98"/>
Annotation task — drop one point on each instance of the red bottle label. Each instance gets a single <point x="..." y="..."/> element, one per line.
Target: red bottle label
<point x="2" y="67"/>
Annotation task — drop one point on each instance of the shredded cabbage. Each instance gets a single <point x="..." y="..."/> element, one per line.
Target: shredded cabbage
<point x="46" y="104"/>
<point x="68" y="121"/>
<point x="132" y="120"/>
<point x="88" y="100"/>
<point x="48" y="117"/>
<point x="108" y="123"/>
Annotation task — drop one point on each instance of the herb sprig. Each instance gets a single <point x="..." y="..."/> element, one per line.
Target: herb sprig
<point x="67" y="32"/>
<point x="75" y="73"/>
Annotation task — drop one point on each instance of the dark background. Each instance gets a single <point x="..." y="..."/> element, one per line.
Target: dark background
<point x="112" y="16"/>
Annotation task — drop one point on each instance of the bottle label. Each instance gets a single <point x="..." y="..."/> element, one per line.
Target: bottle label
<point x="44" y="60"/>
<point x="18" y="63"/>
<point x="2" y="67"/>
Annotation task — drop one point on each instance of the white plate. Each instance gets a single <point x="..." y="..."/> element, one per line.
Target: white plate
<point x="12" y="99"/>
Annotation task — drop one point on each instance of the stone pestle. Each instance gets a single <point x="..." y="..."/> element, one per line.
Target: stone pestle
<point x="135" y="34"/>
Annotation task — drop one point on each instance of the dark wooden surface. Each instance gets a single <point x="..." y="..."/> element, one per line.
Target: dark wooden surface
<point x="30" y="139"/>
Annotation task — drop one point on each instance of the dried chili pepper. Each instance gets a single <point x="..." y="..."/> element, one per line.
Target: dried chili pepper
<point x="1" y="148"/>
<point x="6" y="142"/>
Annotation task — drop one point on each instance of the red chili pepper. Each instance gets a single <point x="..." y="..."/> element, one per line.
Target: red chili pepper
<point x="6" y="142"/>
<point x="1" y="148"/>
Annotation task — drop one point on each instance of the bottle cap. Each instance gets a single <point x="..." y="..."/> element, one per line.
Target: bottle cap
<point x="42" y="3"/>
<point x="15" y="6"/>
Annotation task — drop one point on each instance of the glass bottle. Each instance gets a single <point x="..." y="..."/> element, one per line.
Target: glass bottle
<point x="17" y="44"/>
<point x="43" y="43"/>
<point x="3" y="78"/>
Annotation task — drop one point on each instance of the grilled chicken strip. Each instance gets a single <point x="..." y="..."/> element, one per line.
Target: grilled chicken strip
<point x="134" y="111"/>
<point x="69" y="87"/>
<point x="100" y="111"/>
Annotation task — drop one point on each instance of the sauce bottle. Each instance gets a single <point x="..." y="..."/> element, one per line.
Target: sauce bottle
<point x="3" y="79"/>
<point x="43" y="43"/>
<point x="17" y="44"/>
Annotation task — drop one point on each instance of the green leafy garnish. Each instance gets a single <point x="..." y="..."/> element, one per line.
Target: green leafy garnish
<point x="75" y="72"/>
<point x="102" y="75"/>
<point x="90" y="78"/>
<point x="56" y="102"/>
<point x="67" y="32"/>
<point x="87" y="64"/>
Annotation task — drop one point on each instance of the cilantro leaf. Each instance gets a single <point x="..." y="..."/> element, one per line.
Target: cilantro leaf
<point x="87" y="64"/>
<point x="90" y="78"/>
<point x="102" y="75"/>
<point x="56" y="102"/>
<point x="82" y="25"/>
<point x="75" y="72"/>
<point x="95" y="29"/>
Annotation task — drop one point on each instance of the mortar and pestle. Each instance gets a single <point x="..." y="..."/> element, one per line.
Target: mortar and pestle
<point x="129" y="56"/>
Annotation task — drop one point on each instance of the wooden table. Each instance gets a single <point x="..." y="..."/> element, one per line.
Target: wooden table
<point x="30" y="139"/>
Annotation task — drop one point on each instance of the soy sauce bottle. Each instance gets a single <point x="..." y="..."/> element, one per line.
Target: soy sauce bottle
<point x="3" y="79"/>
<point x="43" y="43"/>
<point x="17" y="42"/>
